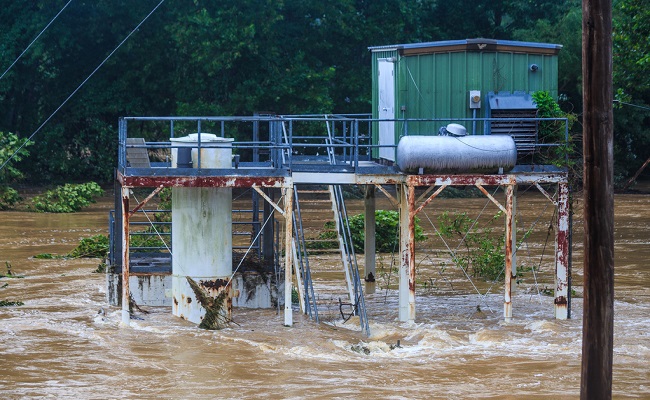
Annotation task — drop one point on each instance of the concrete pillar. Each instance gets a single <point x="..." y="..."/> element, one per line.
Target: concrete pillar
<point x="370" y="272"/>
<point x="407" y="253"/>
<point x="562" y="253"/>
<point x="201" y="231"/>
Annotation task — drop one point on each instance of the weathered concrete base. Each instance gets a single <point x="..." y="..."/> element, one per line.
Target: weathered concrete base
<point x="252" y="290"/>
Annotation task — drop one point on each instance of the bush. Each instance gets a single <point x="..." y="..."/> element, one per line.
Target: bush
<point x="483" y="255"/>
<point x="386" y="231"/>
<point x="67" y="198"/>
<point x="8" y="198"/>
<point x="92" y="247"/>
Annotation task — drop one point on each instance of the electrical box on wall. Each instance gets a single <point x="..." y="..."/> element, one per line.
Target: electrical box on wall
<point x="474" y="99"/>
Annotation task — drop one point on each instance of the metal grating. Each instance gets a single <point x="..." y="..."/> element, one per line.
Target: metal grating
<point x="523" y="131"/>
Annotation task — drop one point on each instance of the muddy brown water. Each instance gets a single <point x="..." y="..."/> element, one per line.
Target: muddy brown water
<point x="57" y="345"/>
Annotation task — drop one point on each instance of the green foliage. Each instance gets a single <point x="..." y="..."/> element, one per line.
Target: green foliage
<point x="386" y="231"/>
<point x="554" y="132"/>
<point x="8" y="303"/>
<point x="483" y="255"/>
<point x="8" y="198"/>
<point x="631" y="61"/>
<point x="10" y="144"/>
<point x="67" y="198"/>
<point x="92" y="247"/>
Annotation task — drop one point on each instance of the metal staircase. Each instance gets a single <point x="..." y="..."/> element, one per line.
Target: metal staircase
<point x="343" y="238"/>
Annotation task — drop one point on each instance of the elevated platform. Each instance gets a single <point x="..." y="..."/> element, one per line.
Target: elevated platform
<point x="274" y="154"/>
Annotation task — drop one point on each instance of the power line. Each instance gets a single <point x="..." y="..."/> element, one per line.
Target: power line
<point x="80" y="85"/>
<point x="632" y="105"/>
<point x="35" y="39"/>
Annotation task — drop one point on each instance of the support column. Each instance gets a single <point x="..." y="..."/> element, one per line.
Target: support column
<point x="288" y="253"/>
<point x="562" y="253"/>
<point x="510" y="239"/>
<point x="126" y="293"/>
<point x="370" y="272"/>
<point x="407" y="254"/>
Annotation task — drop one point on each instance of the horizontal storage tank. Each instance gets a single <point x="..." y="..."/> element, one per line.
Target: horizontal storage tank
<point x="456" y="155"/>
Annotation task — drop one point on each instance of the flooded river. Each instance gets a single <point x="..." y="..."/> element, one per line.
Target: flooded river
<point x="65" y="342"/>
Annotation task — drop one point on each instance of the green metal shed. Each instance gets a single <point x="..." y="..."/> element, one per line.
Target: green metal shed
<point x="471" y="79"/>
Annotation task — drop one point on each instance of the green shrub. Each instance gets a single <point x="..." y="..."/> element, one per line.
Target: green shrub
<point x="483" y="255"/>
<point x="386" y="231"/>
<point x="8" y="198"/>
<point x="67" y="198"/>
<point x="92" y="247"/>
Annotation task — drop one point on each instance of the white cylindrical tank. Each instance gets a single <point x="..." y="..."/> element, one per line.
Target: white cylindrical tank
<point x="201" y="229"/>
<point x="449" y="154"/>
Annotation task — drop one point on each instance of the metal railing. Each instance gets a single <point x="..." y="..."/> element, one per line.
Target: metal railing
<point x="264" y="143"/>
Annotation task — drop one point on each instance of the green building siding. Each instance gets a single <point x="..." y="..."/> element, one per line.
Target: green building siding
<point x="436" y="82"/>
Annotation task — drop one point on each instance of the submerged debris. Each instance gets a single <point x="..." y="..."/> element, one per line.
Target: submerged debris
<point x="133" y="305"/>
<point x="7" y="303"/>
<point x="359" y="348"/>
<point x="215" y="314"/>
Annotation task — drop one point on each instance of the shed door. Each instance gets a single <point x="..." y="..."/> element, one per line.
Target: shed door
<point x="386" y="79"/>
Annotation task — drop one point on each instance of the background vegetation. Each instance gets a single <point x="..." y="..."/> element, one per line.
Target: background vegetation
<point x="235" y="57"/>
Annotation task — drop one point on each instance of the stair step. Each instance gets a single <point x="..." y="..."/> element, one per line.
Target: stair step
<point x="313" y="191"/>
<point x="314" y="201"/>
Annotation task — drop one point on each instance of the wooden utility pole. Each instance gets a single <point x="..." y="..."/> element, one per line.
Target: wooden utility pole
<point x="598" y="319"/>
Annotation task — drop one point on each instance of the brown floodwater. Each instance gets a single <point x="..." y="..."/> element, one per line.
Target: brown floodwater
<point x="66" y="342"/>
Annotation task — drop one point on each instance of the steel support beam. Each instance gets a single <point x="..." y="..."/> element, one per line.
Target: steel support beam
<point x="407" y="253"/>
<point x="510" y="245"/>
<point x="126" y="293"/>
<point x="370" y="272"/>
<point x="288" y="253"/>
<point x="562" y="253"/>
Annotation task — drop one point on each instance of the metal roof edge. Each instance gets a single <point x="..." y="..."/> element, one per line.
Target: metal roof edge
<point x="479" y="42"/>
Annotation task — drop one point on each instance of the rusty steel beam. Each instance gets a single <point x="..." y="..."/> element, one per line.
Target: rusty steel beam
<point x="510" y="245"/>
<point x="268" y="200"/>
<point x="490" y="197"/>
<point x="460" y="180"/>
<point x="200" y="181"/>
<point x="288" y="254"/>
<point x="562" y="253"/>
<point x="126" y="293"/>
<point x="390" y="197"/>
<point x="430" y="199"/>
<point x="146" y="200"/>
<point x="407" y="253"/>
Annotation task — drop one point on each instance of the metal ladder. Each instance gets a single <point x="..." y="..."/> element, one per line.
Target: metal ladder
<point x="346" y="245"/>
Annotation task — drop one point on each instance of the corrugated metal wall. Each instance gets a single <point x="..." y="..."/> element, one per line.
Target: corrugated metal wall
<point x="437" y="85"/>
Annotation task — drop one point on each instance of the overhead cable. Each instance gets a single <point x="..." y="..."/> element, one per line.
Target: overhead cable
<point x="80" y="85"/>
<point x="35" y="39"/>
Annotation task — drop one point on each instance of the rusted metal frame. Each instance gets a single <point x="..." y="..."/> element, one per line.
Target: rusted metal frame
<point x="146" y="200"/>
<point x="510" y="243"/>
<point x="562" y="253"/>
<point x="546" y="194"/>
<point x="459" y="180"/>
<point x="288" y="262"/>
<point x="370" y="267"/>
<point x="126" y="293"/>
<point x="390" y="197"/>
<point x="201" y="181"/>
<point x="407" y="253"/>
<point x="430" y="199"/>
<point x="423" y="195"/>
<point x="489" y="196"/>
<point x="268" y="199"/>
